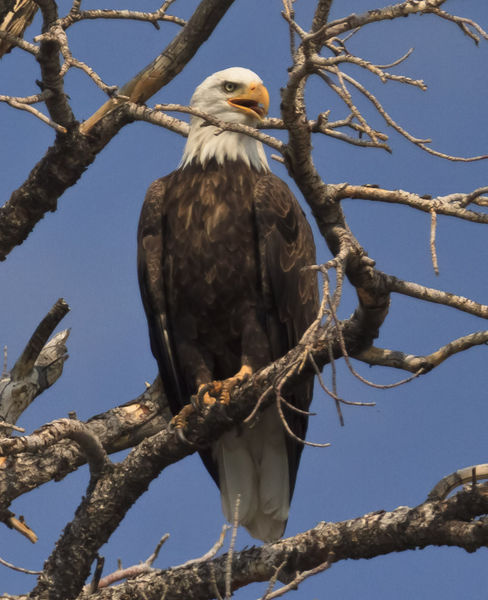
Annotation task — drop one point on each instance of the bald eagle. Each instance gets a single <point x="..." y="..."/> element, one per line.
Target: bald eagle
<point x="222" y="246"/>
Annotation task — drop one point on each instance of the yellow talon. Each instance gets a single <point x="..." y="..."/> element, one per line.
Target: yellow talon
<point x="222" y="389"/>
<point x="179" y="421"/>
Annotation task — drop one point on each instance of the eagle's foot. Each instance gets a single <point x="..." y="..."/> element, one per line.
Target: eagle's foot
<point x="219" y="391"/>
<point x="207" y="395"/>
<point x="179" y="422"/>
<point x="229" y="384"/>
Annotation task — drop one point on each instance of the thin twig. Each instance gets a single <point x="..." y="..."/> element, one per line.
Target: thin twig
<point x="279" y="401"/>
<point x="37" y="113"/>
<point x="270" y="141"/>
<point x="20" y="569"/>
<point x="347" y="360"/>
<point x="299" y="578"/>
<point x="133" y="571"/>
<point x="14" y="40"/>
<point x="398" y="61"/>
<point x="230" y="554"/>
<point x="433" y="252"/>
<point x="289" y="15"/>
<point x="152" y="557"/>
<point x="5" y="363"/>
<point x="463" y="23"/>
<point x="261" y="399"/>
<point x="4" y="425"/>
<point x="272" y="581"/>
<point x="95" y="582"/>
<point x="159" y="15"/>
<point x="211" y="553"/>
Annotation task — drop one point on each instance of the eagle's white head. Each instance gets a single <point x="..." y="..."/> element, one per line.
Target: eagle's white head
<point x="233" y="95"/>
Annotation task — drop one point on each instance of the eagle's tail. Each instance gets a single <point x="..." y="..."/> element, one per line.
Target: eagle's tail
<point x="253" y="465"/>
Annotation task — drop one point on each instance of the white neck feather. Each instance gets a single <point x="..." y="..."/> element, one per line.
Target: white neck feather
<point x="207" y="142"/>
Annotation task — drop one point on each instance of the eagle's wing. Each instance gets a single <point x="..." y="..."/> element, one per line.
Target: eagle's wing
<point x="290" y="291"/>
<point x="150" y="247"/>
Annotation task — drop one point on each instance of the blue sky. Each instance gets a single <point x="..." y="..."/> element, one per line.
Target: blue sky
<point x="385" y="456"/>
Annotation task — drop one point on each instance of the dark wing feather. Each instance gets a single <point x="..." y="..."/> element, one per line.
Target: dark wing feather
<point x="150" y="247"/>
<point x="290" y="292"/>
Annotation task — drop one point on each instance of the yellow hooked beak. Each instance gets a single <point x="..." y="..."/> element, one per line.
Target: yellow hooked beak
<point x="254" y="101"/>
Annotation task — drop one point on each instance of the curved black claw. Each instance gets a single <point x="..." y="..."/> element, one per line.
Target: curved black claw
<point x="197" y="399"/>
<point x="182" y="437"/>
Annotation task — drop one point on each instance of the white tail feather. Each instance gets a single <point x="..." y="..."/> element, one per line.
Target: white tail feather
<point x="253" y="463"/>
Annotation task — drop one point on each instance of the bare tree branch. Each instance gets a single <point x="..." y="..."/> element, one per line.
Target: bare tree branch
<point x="451" y="205"/>
<point x="412" y="363"/>
<point x="468" y="475"/>
<point x="51" y="433"/>
<point x="39" y="338"/>
<point x="119" y="428"/>
<point x="95" y="520"/>
<point x="39" y="366"/>
<point x="421" y="292"/>
<point x="62" y="446"/>
<point x="75" y="16"/>
<point x="9" y="40"/>
<point x="452" y="522"/>
<point x="163" y="68"/>
<point x="48" y="59"/>
<point x="65" y="162"/>
<point x="395" y="11"/>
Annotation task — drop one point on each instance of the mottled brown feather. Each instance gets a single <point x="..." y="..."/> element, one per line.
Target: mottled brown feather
<point x="221" y="252"/>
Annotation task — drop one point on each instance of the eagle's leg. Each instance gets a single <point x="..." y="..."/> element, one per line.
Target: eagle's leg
<point x="209" y="393"/>
<point x="198" y="369"/>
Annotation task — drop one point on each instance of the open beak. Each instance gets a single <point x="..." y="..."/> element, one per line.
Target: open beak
<point x="254" y="101"/>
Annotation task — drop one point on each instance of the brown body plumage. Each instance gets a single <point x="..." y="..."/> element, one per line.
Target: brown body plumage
<point x="222" y="251"/>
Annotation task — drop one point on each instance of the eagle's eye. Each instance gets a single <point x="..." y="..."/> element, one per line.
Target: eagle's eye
<point x="229" y="86"/>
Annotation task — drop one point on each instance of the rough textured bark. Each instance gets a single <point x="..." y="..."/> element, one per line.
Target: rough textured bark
<point x="452" y="522"/>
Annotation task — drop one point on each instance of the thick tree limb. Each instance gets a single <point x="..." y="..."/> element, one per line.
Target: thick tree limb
<point x="51" y="433"/>
<point x="452" y="522"/>
<point x="117" y="429"/>
<point x="129" y="424"/>
<point x="95" y="520"/>
<point x="48" y="59"/>
<point x="373" y="295"/>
